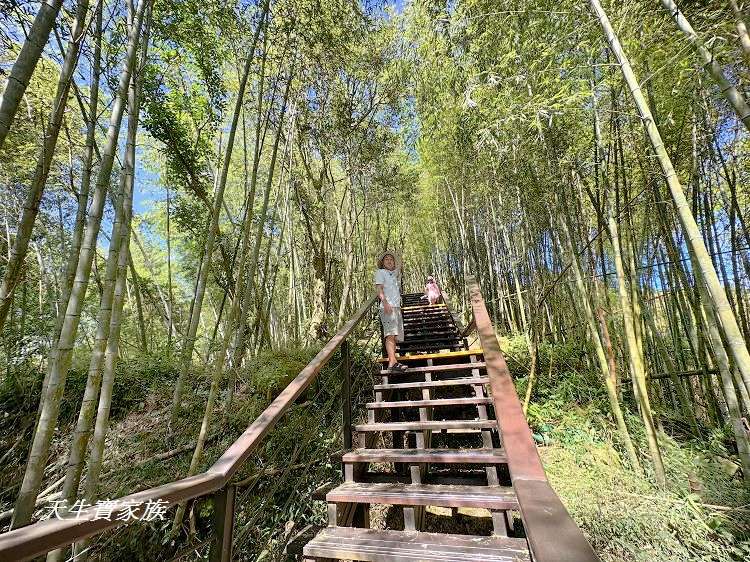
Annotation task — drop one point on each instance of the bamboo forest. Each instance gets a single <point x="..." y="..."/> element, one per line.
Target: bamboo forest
<point x="377" y="280"/>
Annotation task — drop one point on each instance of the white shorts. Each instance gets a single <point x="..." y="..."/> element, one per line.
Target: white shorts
<point x="393" y="323"/>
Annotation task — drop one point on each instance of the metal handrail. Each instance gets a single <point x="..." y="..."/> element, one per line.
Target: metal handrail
<point x="552" y="534"/>
<point x="39" y="538"/>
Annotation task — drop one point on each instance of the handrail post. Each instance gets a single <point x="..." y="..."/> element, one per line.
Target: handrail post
<point x="346" y="393"/>
<point x="223" y="519"/>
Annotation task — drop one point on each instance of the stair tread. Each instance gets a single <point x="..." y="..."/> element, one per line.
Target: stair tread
<point x="430" y="348"/>
<point x="446" y="355"/>
<point x="425" y="346"/>
<point x="452" y="342"/>
<point x="430" y="403"/>
<point x="434" y="456"/>
<point x="432" y="337"/>
<point x="444" y="323"/>
<point x="442" y="315"/>
<point x="434" y="384"/>
<point x="439" y="368"/>
<point x="427" y="425"/>
<point x="442" y="495"/>
<point x="369" y="545"/>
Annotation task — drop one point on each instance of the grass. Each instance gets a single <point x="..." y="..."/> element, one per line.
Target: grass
<point x="293" y="461"/>
<point x="703" y="514"/>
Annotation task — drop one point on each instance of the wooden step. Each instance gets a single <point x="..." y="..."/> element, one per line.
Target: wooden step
<point x="416" y="338"/>
<point x="424" y="307"/>
<point x="432" y="317"/>
<point x="448" y="342"/>
<point x="426" y="326"/>
<point x="441" y="495"/>
<point x="430" y="337"/>
<point x="369" y="545"/>
<point x="416" y="334"/>
<point x="446" y="355"/>
<point x="430" y="403"/>
<point x="432" y="425"/>
<point x="431" y="342"/>
<point x="416" y="318"/>
<point x="430" y="346"/>
<point x="441" y="368"/>
<point x="427" y="313"/>
<point x="428" y="318"/>
<point x="432" y="456"/>
<point x="410" y="337"/>
<point x="463" y="381"/>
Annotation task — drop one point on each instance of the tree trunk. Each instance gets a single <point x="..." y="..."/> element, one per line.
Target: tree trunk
<point x="605" y="367"/>
<point x="48" y="419"/>
<point x="741" y="30"/>
<point x="637" y="367"/>
<point x="139" y="306"/>
<point x="23" y="68"/>
<point x="249" y="287"/>
<point x="725" y="374"/>
<point x="727" y="320"/>
<point x="82" y="430"/>
<point x="195" y="313"/>
<point x="83" y="198"/>
<point x="13" y="268"/>
<point x="233" y="319"/>
<point x="732" y="94"/>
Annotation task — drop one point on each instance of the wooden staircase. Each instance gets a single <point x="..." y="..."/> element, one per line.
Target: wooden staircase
<point x="429" y="440"/>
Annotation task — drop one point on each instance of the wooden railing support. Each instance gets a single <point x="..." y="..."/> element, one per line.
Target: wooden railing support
<point x="346" y="393"/>
<point x="223" y="523"/>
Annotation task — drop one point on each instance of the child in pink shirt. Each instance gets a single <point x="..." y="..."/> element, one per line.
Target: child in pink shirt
<point x="432" y="290"/>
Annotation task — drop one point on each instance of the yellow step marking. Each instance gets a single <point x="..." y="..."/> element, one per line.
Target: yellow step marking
<point x="445" y="355"/>
<point x="424" y="306"/>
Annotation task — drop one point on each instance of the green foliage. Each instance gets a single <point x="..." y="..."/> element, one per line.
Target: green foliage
<point x="625" y="516"/>
<point x="271" y="370"/>
<point x="134" y="380"/>
<point x="185" y="97"/>
<point x="167" y="121"/>
<point x="293" y="462"/>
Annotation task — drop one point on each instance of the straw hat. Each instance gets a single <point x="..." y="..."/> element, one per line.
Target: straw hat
<point x="395" y="255"/>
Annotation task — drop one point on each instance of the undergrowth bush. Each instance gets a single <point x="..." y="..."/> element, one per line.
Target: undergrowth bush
<point x="702" y="514"/>
<point x="280" y="476"/>
<point x="20" y="386"/>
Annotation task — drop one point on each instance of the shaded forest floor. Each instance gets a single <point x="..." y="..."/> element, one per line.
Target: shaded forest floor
<point x="704" y="514"/>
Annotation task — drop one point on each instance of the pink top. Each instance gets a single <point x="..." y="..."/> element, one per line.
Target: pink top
<point x="432" y="290"/>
